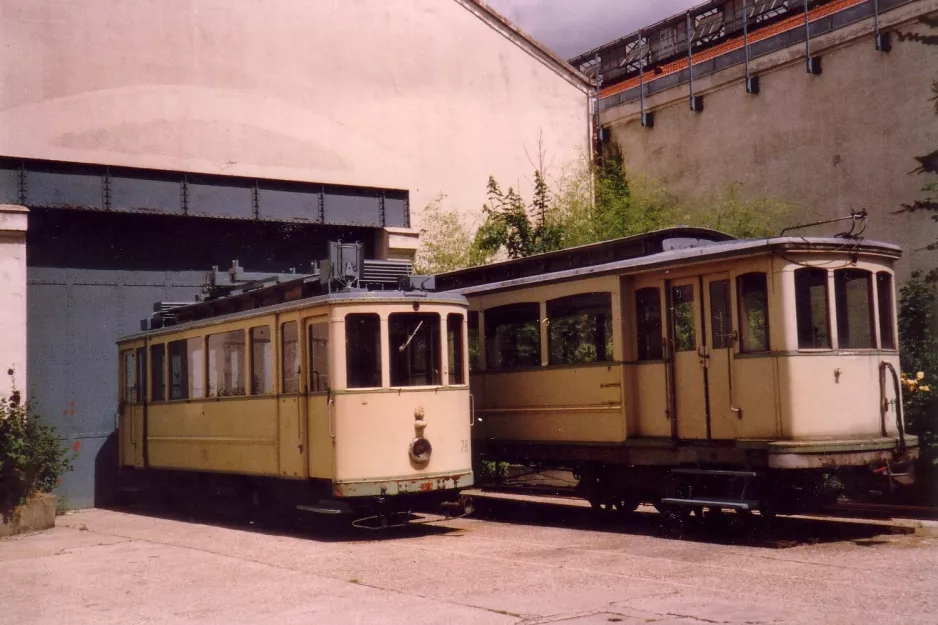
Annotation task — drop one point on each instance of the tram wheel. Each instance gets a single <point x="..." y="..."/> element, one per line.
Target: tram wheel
<point x="620" y="505"/>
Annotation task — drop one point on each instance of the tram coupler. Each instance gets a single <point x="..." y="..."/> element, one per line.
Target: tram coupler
<point x="464" y="506"/>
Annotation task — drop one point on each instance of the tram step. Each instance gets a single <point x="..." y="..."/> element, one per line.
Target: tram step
<point x="713" y="502"/>
<point x="326" y="507"/>
<point x="714" y="472"/>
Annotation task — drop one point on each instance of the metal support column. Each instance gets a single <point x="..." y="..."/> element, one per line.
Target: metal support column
<point x="696" y="103"/>
<point x="752" y="82"/>
<point x="812" y="64"/>
<point x="883" y="44"/>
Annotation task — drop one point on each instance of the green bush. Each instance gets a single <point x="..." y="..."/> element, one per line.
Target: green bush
<point x="32" y="459"/>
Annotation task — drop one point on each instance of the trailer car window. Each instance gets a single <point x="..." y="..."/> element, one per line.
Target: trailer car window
<point x="580" y="328"/>
<point x="811" y="312"/>
<point x="648" y="323"/>
<point x="721" y="327"/>
<point x="454" y="348"/>
<point x="363" y="350"/>
<point x="186" y="371"/>
<point x="887" y="337"/>
<point x="682" y="302"/>
<point x="513" y="336"/>
<point x="130" y="378"/>
<point x="853" y="294"/>
<point x="262" y="361"/>
<point x="289" y="357"/>
<point x="226" y="364"/>
<point x="319" y="358"/>
<point x="473" y="324"/>
<point x="157" y="372"/>
<point x="753" y="293"/>
<point x="141" y="359"/>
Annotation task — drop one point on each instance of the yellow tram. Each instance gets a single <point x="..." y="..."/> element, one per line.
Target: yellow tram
<point x="692" y="370"/>
<point x="330" y="399"/>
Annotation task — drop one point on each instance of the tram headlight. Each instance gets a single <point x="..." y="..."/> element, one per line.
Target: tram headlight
<point x="420" y="450"/>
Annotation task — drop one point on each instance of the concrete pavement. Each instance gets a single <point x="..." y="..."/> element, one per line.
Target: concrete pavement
<point x="541" y="565"/>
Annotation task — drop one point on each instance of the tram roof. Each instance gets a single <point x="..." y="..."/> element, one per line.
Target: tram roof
<point x="331" y="299"/>
<point x="705" y="251"/>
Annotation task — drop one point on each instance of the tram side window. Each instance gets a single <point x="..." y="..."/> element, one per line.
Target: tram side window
<point x="319" y="358"/>
<point x="721" y="326"/>
<point x="682" y="302"/>
<point x="853" y="294"/>
<point x="290" y="357"/>
<point x="811" y="312"/>
<point x="513" y="336"/>
<point x="157" y="372"/>
<point x="226" y="364"/>
<point x="185" y="369"/>
<point x="363" y="350"/>
<point x="648" y="323"/>
<point x="473" y="323"/>
<point x="580" y="328"/>
<point x="753" y="294"/>
<point x="415" y="349"/>
<point x="130" y="378"/>
<point x="887" y="337"/>
<point x="454" y="348"/>
<point x="262" y="363"/>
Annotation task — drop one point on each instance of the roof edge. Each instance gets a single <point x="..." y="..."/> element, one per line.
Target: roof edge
<point x="502" y="24"/>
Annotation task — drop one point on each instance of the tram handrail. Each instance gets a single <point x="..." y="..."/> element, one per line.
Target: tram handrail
<point x="884" y="405"/>
<point x="730" y="357"/>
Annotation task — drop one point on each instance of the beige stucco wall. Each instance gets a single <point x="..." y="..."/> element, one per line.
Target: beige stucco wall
<point x="422" y="95"/>
<point x="12" y="296"/>
<point x="827" y="144"/>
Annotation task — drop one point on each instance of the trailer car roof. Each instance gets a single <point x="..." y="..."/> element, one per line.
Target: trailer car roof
<point x="707" y="252"/>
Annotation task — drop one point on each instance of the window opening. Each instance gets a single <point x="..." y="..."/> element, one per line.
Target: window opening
<point x="262" y="361"/>
<point x="811" y="312"/>
<point x="130" y="378"/>
<point x="513" y="336"/>
<point x="158" y="372"/>
<point x="141" y="361"/>
<point x="290" y="357"/>
<point x="853" y="295"/>
<point x="887" y="337"/>
<point x="753" y="293"/>
<point x="319" y="358"/>
<point x="363" y="350"/>
<point x="682" y="302"/>
<point x="580" y="328"/>
<point x="473" y="325"/>
<point x="454" y="348"/>
<point x="721" y="323"/>
<point x="186" y="373"/>
<point x="415" y="349"/>
<point x="648" y="323"/>
<point x="226" y="364"/>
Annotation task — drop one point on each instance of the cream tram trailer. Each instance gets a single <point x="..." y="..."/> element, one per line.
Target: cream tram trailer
<point x="353" y="396"/>
<point x="697" y="372"/>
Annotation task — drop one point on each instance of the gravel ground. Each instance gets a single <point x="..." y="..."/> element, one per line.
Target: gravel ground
<point x="526" y="560"/>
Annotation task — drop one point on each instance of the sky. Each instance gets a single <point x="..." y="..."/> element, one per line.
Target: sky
<point x="572" y="27"/>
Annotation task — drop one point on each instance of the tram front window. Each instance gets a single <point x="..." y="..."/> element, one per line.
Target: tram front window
<point x="414" y="348"/>
<point x="363" y="350"/>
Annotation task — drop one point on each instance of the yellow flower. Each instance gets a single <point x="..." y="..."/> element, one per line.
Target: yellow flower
<point x="924" y="388"/>
<point x="920" y="375"/>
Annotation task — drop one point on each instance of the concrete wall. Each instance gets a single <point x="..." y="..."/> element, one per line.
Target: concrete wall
<point x="828" y="144"/>
<point x="12" y="297"/>
<point x="423" y="95"/>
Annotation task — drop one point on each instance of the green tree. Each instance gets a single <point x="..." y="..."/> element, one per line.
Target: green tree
<point x="918" y="346"/>
<point x="446" y="241"/>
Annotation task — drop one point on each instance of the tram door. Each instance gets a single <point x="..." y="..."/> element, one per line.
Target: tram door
<point x="688" y="359"/>
<point x="292" y="403"/>
<point x="719" y="362"/>
<point x="318" y="398"/>
<point x="130" y="419"/>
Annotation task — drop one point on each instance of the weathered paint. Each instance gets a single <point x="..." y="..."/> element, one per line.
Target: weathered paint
<point x="13" y="224"/>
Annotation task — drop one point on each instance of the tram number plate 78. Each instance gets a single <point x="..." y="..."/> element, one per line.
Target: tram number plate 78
<point x="464" y="448"/>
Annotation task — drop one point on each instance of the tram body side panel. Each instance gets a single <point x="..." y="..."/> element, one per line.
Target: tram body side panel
<point x="573" y="403"/>
<point x="231" y="435"/>
<point x="374" y="430"/>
